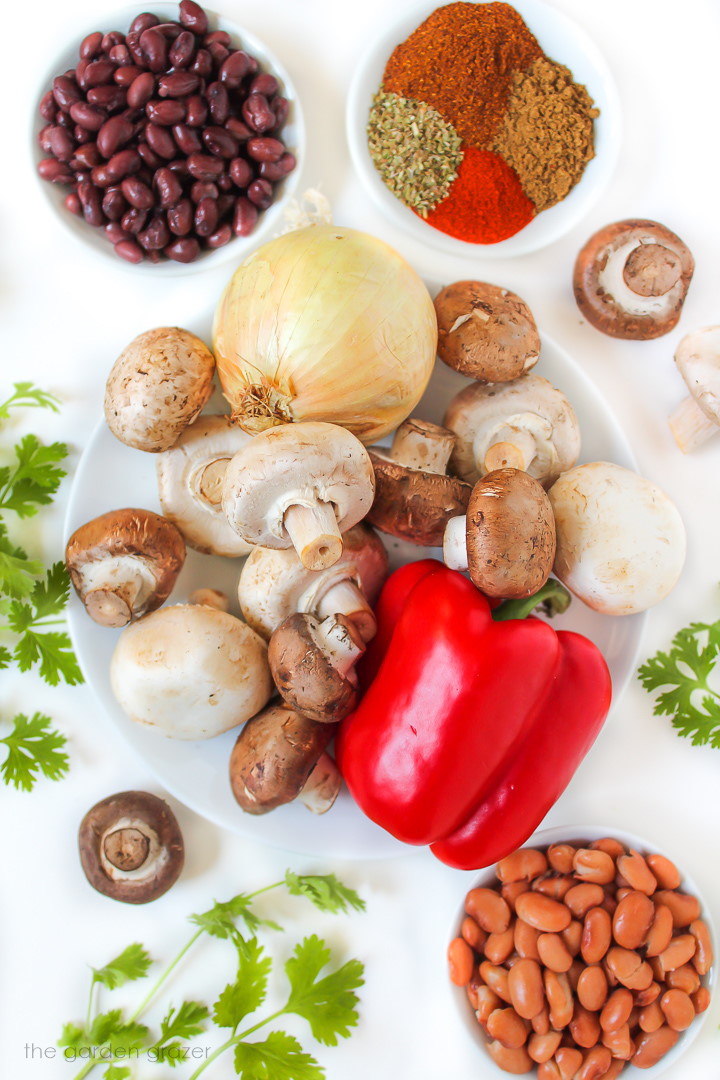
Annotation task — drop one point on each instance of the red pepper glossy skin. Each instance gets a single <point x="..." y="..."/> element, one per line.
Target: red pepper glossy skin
<point x="441" y="720"/>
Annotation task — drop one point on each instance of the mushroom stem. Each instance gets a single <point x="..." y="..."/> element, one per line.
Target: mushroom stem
<point x="338" y="640"/>
<point x="314" y="533"/>
<point x="455" y="551"/>
<point x="117" y="588"/>
<point x="213" y="598"/>
<point x="515" y="443"/>
<point x="506" y="455"/>
<point x="346" y="598"/>
<point x="210" y="481"/>
<point x="690" y="426"/>
<point x="322" y="786"/>
<point x="418" y="444"/>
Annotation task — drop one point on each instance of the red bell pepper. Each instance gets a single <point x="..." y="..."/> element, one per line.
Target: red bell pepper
<point x="470" y="729"/>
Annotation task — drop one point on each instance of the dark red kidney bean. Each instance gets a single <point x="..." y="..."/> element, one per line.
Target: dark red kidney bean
<point x="155" y="236"/>
<point x="179" y="166"/>
<point x="281" y="108"/>
<point x="91" y="117"/>
<point x="178" y="84"/>
<point x="125" y="163"/>
<point x="111" y="97"/>
<point x="57" y="172"/>
<point x="264" y="148"/>
<point x="193" y="17"/>
<point x="64" y="119"/>
<point x="169" y="30"/>
<point x="133" y="43"/>
<point x="166" y="113"/>
<point x="202" y="65"/>
<point x="220" y="237"/>
<point x="115" y="232"/>
<point x="148" y="155"/>
<point x="61" y="143"/>
<point x="48" y="107"/>
<point x="187" y="139"/>
<point x="238" y="128"/>
<point x="73" y="204"/>
<point x="161" y="141"/>
<point x="264" y="84"/>
<point x="221" y="37"/>
<point x="137" y="193"/>
<point x="218" y="102"/>
<point x="130" y="251"/>
<point x="196" y="110"/>
<point x="90" y="199"/>
<point x="168" y="187"/>
<point x="141" y="90"/>
<point x="143" y="22"/>
<point x="82" y="135"/>
<point x="98" y="73"/>
<point x="244" y="217"/>
<point x="218" y="52"/>
<point x="206" y="217"/>
<point x="225" y="203"/>
<point x="120" y="56"/>
<point x="260" y="192"/>
<point x="182" y="49"/>
<point x="224" y="182"/>
<point x="257" y="113"/>
<point x="241" y="172"/>
<point x="80" y="69"/>
<point x="44" y="138"/>
<point x="126" y="75"/>
<point x="180" y="217"/>
<point x="134" y="220"/>
<point x="234" y="69"/>
<point x="91" y="45"/>
<point x="114" y="133"/>
<point x="114" y="204"/>
<point x="184" y="250"/>
<point x="111" y="39"/>
<point x="220" y="142"/>
<point x="204" y="166"/>
<point x="82" y="174"/>
<point x="154" y="49"/>
<point x="203" y="189"/>
<point x="278" y="170"/>
<point x="66" y="92"/>
<point x="88" y="155"/>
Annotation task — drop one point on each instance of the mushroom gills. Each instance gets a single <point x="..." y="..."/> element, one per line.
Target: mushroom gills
<point x="116" y="588"/>
<point x="613" y="278"/>
<point x="130" y="850"/>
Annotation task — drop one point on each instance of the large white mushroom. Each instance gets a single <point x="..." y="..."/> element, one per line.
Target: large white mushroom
<point x="190" y="671"/>
<point x="620" y="539"/>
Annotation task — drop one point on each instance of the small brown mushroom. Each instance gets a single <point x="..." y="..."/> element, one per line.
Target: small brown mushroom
<point x="507" y="540"/>
<point x="486" y="332"/>
<point x="631" y="279"/>
<point x="313" y="665"/>
<point x="279" y="756"/>
<point x="131" y="847"/>
<point x="124" y="564"/>
<point x="414" y="496"/>
<point x="697" y="417"/>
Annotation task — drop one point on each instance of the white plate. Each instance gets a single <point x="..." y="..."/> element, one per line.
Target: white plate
<point x="563" y="41"/>
<point x="111" y="475"/>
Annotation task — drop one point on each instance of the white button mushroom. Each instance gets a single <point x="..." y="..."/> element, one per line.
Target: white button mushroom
<point x="190" y="484"/>
<point x="620" y="540"/>
<point x="274" y="584"/>
<point x="299" y="485"/>
<point x="124" y="564"/>
<point x="697" y="417"/>
<point x="190" y="672"/>
<point x="526" y="424"/>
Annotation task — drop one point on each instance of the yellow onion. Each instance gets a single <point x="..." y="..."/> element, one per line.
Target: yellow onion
<point x="325" y="323"/>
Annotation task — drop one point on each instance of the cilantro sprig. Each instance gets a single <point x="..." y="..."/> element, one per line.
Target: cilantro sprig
<point x="318" y="992"/>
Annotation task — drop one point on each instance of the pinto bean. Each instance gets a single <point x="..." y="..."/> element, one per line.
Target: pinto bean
<point x="488" y="909"/>
<point x="629" y="968"/>
<point x="559" y="998"/>
<point x="666" y="872"/>
<point x="542" y="1047"/>
<point x="584" y="1026"/>
<point x="525" y="985"/>
<point x="471" y="932"/>
<point x="619" y="1042"/>
<point x="632" y="919"/>
<point x="460" y="961"/>
<point x="678" y="1009"/>
<point x="636" y="872"/>
<point x="582" y="897"/>
<point x="554" y="952"/>
<point x="596" y="936"/>
<point x="516" y="1061"/>
<point x="684" y="978"/>
<point x="506" y="1026"/>
<point x="660" y="932"/>
<point x="498" y="947"/>
<point x="592" y="988"/>
<point x="497" y="978"/>
<point x="651" y="1017"/>
<point x="542" y="912"/>
<point x="652" y="1046"/>
<point x="679" y="951"/>
<point x="522" y="865"/>
<point x="568" y="1059"/>
<point x="616" y="1010"/>
<point x="487" y="1002"/>
<point x="592" y="864"/>
<point x="703" y="958"/>
<point x="685" y="908"/>
<point x="525" y="939"/>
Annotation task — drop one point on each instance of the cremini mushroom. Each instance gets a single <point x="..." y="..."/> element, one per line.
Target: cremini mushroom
<point x="414" y="496"/>
<point x="124" y="564"/>
<point x="190" y="484"/>
<point x="527" y="424"/>
<point x="157" y="386"/>
<point x="274" y="584"/>
<point x="299" y="485"/>
<point x="131" y="847"/>
<point x="631" y="279"/>
<point x="697" y="417"/>
<point x="312" y="663"/>
<point x="507" y="540"/>
<point x="485" y="332"/>
<point x="620" y="540"/>
<point x="280" y="756"/>
<point x="190" y="671"/>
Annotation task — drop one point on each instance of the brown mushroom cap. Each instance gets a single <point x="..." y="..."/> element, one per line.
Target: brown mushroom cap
<point x="110" y="596"/>
<point x="486" y="332"/>
<point x="631" y="279"/>
<point x="304" y="672"/>
<point x="131" y="847"/>
<point x="510" y="535"/>
<point x="273" y="757"/>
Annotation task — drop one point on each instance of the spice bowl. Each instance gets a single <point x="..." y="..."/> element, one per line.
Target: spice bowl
<point x="583" y="837"/>
<point x="94" y="238"/>
<point x="563" y="42"/>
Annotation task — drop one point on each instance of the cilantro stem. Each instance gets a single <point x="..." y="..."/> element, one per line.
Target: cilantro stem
<point x="235" y="1039"/>
<point x="166" y="973"/>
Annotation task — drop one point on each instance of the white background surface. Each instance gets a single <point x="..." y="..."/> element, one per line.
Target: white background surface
<point x="65" y="318"/>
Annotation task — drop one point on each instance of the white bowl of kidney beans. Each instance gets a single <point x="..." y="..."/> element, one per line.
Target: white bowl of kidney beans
<point x="582" y="956"/>
<point x="169" y="140"/>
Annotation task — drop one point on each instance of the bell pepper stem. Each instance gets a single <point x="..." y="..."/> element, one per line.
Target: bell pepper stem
<point x="552" y="599"/>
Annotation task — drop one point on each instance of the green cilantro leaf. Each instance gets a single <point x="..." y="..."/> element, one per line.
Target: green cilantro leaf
<point x="171" y="1055"/>
<point x="328" y="1004"/>
<point x="5" y="657"/>
<point x="17" y="572"/>
<point x="50" y="596"/>
<point x="247" y="993"/>
<point x="279" y="1057"/>
<point x="131" y="964"/>
<point x="219" y="921"/>
<point x="72" y="1037"/>
<point x="117" y="1072"/>
<point x="183" y="1023"/>
<point x="35" y="478"/>
<point x="110" y="1029"/>
<point x="28" y="396"/>
<point x="325" y="891"/>
<point x="685" y="669"/>
<point x="34" y="747"/>
<point x="53" y="651"/>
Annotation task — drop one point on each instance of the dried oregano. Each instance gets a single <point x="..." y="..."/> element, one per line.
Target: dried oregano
<point x="415" y="150"/>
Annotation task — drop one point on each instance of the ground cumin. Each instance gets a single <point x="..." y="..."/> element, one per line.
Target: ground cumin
<point x="546" y="134"/>
<point x="461" y="61"/>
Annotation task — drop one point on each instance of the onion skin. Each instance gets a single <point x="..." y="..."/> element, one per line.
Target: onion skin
<point x="287" y="349"/>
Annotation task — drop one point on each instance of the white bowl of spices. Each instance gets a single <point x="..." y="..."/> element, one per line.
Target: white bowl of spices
<point x="484" y="127"/>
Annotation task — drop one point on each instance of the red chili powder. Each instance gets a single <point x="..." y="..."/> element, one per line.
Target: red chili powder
<point x="485" y="203"/>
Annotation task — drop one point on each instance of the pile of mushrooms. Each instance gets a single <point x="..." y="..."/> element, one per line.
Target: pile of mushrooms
<point x="496" y="487"/>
